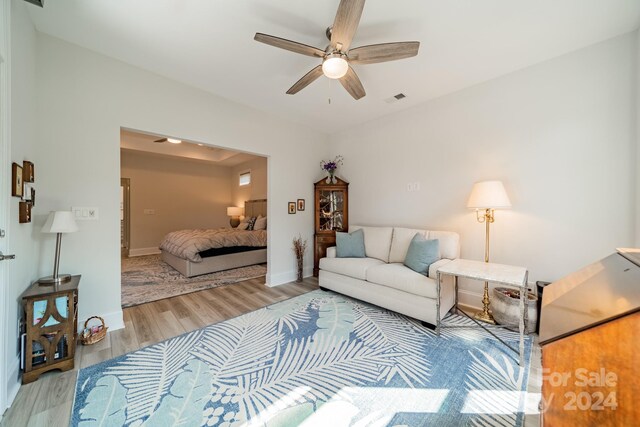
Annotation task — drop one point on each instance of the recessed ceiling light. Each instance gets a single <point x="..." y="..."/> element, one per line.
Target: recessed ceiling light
<point x="174" y="141"/>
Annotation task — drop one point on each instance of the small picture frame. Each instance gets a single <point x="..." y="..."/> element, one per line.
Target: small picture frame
<point x="28" y="171"/>
<point x="301" y="204"/>
<point x="16" y="180"/>
<point x="24" y="212"/>
<point x="292" y="208"/>
<point x="26" y="192"/>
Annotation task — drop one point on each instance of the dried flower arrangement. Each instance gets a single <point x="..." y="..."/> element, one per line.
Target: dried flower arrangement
<point x="299" y="248"/>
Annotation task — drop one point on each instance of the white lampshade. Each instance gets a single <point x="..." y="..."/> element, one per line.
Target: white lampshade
<point x="234" y="211"/>
<point x="335" y="66"/>
<point x="488" y="195"/>
<point x="60" y="222"/>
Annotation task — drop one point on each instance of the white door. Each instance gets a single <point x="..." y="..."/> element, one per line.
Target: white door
<point x="4" y="193"/>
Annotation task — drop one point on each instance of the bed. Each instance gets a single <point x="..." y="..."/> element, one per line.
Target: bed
<point x="197" y="252"/>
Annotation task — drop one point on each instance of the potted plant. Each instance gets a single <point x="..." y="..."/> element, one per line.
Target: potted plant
<point x="505" y="307"/>
<point x="299" y="248"/>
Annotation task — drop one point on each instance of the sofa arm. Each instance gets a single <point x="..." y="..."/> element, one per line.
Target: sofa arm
<point x="433" y="268"/>
<point x="331" y="252"/>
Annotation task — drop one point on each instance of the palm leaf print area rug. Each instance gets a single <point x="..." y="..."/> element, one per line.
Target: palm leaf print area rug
<point x="317" y="359"/>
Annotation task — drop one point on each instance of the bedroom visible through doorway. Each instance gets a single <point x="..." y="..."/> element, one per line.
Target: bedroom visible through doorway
<point x="193" y="216"/>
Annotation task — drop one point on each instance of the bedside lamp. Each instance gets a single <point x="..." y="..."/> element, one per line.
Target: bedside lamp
<point x="486" y="196"/>
<point x="58" y="222"/>
<point x="234" y="212"/>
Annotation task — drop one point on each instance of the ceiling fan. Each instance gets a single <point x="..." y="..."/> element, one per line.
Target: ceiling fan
<point x="337" y="58"/>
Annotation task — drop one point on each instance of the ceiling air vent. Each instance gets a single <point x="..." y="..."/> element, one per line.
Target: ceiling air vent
<point x="395" y="98"/>
<point x="36" y="2"/>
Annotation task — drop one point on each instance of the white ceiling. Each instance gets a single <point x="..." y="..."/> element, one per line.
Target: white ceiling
<point x="209" y="44"/>
<point x="138" y="141"/>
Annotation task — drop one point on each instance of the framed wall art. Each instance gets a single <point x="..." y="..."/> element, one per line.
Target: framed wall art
<point x="301" y="204"/>
<point x="292" y="207"/>
<point x="24" y="212"/>
<point x="28" y="171"/>
<point x="16" y="180"/>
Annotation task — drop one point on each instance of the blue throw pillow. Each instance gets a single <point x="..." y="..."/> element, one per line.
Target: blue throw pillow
<point x="422" y="253"/>
<point x="350" y="245"/>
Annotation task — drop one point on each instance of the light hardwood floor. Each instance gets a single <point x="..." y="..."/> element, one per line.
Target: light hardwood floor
<point x="48" y="401"/>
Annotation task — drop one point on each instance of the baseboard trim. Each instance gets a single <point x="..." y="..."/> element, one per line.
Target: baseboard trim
<point x="469" y="299"/>
<point x="143" y="252"/>
<point x="287" y="277"/>
<point x="113" y="320"/>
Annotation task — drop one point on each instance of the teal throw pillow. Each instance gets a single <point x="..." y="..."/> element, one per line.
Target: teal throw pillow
<point x="422" y="253"/>
<point x="350" y="245"/>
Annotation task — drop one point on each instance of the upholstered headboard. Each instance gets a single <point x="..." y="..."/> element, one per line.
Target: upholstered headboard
<point x="255" y="208"/>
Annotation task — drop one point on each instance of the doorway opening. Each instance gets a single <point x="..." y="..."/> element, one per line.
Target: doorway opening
<point x="193" y="217"/>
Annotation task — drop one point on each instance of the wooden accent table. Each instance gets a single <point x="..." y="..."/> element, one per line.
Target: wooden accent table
<point x="51" y="325"/>
<point x="488" y="272"/>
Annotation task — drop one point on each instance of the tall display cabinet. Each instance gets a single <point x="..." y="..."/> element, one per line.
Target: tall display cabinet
<point x="331" y="215"/>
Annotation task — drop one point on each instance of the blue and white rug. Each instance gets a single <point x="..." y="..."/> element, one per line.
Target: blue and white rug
<point x="319" y="359"/>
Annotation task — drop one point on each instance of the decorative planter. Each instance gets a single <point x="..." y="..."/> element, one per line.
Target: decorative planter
<point x="505" y="307"/>
<point x="300" y="267"/>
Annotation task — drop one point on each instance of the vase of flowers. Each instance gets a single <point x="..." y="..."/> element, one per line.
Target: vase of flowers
<point x="299" y="248"/>
<point x="330" y="167"/>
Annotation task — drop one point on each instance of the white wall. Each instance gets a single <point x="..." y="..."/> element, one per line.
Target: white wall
<point x="258" y="187"/>
<point x="637" y="72"/>
<point x="84" y="99"/>
<point x="23" y="238"/>
<point x="182" y="192"/>
<point x="560" y="135"/>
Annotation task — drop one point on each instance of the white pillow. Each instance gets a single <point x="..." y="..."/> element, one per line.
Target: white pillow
<point x="243" y="226"/>
<point x="261" y="223"/>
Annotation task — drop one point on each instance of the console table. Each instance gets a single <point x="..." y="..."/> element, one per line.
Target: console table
<point x="488" y="272"/>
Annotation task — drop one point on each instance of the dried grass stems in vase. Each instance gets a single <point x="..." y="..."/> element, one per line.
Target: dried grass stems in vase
<point x="299" y="248"/>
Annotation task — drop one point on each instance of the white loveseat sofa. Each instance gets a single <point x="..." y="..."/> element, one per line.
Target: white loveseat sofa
<point x="382" y="279"/>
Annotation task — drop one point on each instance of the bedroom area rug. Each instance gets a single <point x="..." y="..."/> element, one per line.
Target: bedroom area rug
<point x="318" y="359"/>
<point x="148" y="278"/>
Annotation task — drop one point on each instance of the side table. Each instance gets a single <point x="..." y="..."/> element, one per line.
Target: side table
<point x="51" y="325"/>
<point x="488" y="272"/>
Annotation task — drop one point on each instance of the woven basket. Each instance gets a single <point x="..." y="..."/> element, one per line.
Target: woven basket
<point x="87" y="337"/>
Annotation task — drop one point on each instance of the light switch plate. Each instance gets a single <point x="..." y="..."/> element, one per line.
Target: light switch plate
<point x="85" y="213"/>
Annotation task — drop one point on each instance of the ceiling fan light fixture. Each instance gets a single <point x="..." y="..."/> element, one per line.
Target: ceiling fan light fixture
<point x="174" y="141"/>
<point x="335" y="66"/>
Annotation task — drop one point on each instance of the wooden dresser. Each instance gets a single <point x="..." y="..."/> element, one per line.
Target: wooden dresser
<point x="331" y="215"/>
<point x="590" y="338"/>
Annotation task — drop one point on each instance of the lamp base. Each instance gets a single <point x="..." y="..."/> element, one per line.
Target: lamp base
<point x="234" y="221"/>
<point x="50" y="280"/>
<point x="485" y="317"/>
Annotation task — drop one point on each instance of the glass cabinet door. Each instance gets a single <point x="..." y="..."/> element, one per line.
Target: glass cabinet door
<point x="331" y="210"/>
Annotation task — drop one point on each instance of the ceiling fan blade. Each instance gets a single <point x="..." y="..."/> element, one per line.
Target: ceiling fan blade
<point x="383" y="52"/>
<point x="346" y="23"/>
<point x="306" y="80"/>
<point x="161" y="140"/>
<point x="289" y="45"/>
<point x="352" y="84"/>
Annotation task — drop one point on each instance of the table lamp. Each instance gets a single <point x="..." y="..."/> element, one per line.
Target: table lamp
<point x="58" y="222"/>
<point x="234" y="212"/>
<point x="487" y="196"/>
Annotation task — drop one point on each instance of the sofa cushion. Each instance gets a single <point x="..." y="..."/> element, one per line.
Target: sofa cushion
<point x="352" y="267"/>
<point x="421" y="254"/>
<point x="350" y="245"/>
<point x="399" y="277"/>
<point x="401" y="241"/>
<point x="449" y="243"/>
<point x="377" y="241"/>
